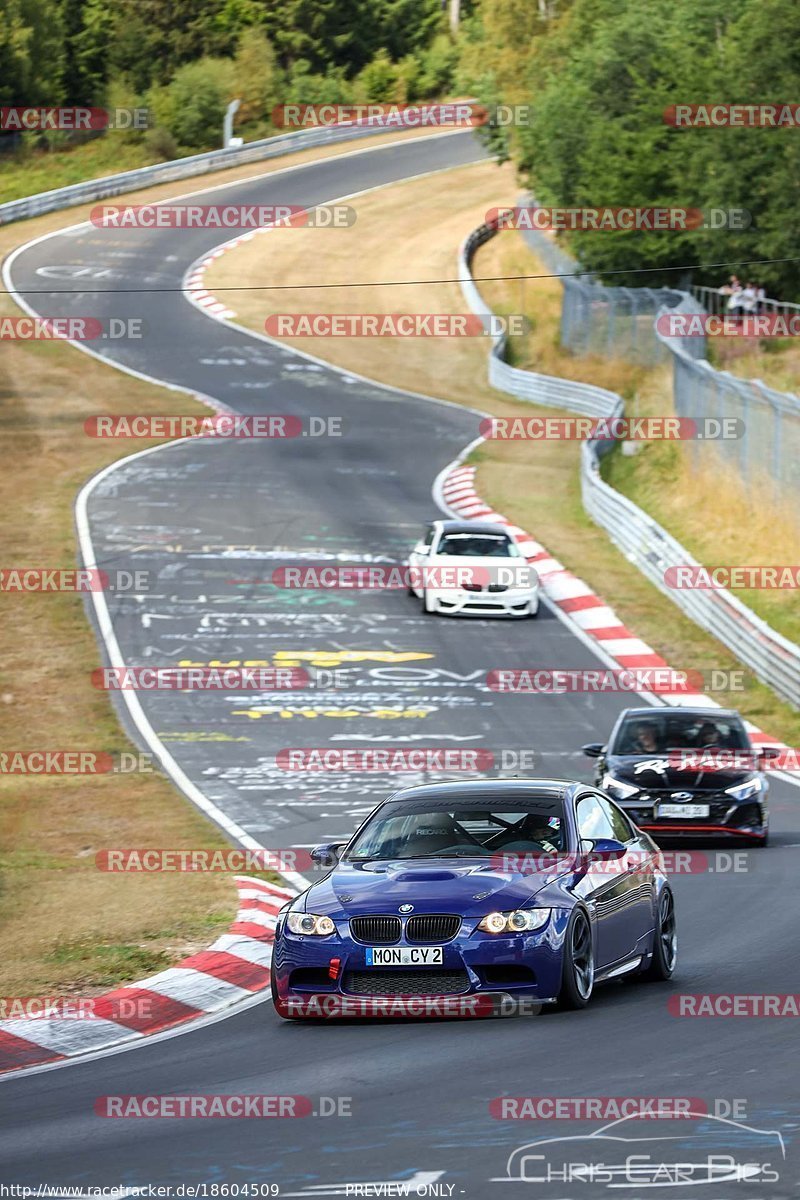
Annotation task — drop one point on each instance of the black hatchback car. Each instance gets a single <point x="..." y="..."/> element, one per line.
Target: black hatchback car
<point x="681" y="772"/>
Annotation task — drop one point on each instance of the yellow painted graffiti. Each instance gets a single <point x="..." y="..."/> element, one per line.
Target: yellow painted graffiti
<point x="315" y="658"/>
<point x="381" y="714"/>
<point x="192" y="735"/>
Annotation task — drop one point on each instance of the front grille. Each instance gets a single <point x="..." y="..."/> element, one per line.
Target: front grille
<point x="498" y="587"/>
<point x="375" y="931"/>
<point x="405" y="983"/>
<point x="432" y="927"/>
<point x="719" y="806"/>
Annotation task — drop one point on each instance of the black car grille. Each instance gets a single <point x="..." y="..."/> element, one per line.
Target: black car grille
<point x="376" y="931"/>
<point x="432" y="927"/>
<point x="405" y="983"/>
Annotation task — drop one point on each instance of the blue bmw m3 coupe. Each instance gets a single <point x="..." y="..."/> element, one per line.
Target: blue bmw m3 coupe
<point x="518" y="887"/>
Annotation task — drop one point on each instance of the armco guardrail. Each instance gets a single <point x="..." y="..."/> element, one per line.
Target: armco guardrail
<point x="179" y="168"/>
<point x="772" y="658"/>
<point x="539" y="389"/>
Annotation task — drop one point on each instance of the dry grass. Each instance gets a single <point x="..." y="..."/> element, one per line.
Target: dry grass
<point x="775" y="362"/>
<point x="409" y="232"/>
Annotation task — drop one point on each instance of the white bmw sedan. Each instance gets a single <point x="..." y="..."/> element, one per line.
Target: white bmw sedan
<point x="472" y="568"/>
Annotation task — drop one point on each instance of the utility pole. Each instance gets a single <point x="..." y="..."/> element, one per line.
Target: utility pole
<point x="455" y="16"/>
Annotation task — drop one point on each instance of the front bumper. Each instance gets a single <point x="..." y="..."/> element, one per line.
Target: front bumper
<point x="474" y="965"/>
<point x="743" y="820"/>
<point x="515" y="602"/>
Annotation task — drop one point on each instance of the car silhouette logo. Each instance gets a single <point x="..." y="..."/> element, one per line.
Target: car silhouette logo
<point x="681" y="796"/>
<point x="406" y="908"/>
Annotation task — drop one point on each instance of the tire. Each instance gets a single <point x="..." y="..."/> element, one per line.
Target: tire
<point x="577" y="981"/>
<point x="665" y="940"/>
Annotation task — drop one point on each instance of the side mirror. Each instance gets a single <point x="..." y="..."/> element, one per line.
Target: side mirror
<point x="421" y="548"/>
<point x="327" y="855"/>
<point x="605" y="849"/>
<point x="593" y="749"/>
<point x="767" y="753"/>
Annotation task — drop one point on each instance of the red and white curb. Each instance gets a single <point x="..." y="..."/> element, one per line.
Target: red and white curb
<point x="234" y="968"/>
<point x="195" y="281"/>
<point x="573" y="598"/>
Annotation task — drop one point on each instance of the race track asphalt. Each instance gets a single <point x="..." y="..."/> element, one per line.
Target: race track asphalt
<point x="209" y="521"/>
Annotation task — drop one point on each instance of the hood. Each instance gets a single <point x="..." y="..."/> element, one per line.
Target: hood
<point x="653" y="772"/>
<point x="445" y="885"/>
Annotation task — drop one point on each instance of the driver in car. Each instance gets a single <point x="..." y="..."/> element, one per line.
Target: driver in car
<point x="708" y="735"/>
<point x="644" y="739"/>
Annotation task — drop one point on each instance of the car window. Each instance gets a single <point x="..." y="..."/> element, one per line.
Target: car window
<point x="659" y="733"/>
<point x="593" y="821"/>
<point x="483" y="545"/>
<point x="471" y="832"/>
<point x="623" y="830"/>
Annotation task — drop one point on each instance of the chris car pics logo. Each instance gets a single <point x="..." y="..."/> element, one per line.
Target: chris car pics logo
<point x="626" y="1154"/>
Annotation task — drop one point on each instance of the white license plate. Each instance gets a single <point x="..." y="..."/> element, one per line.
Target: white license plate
<point x="405" y="956"/>
<point x="683" y="810"/>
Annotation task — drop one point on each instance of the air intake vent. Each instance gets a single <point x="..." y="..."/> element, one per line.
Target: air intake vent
<point x="405" y="983"/>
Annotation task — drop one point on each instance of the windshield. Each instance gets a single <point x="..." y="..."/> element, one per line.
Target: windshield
<point x="400" y="831"/>
<point x="659" y="733"/>
<point x="478" y="545"/>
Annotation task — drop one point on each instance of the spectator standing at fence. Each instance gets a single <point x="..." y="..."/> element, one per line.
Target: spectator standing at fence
<point x="734" y="305"/>
<point x="761" y="298"/>
<point x="749" y="299"/>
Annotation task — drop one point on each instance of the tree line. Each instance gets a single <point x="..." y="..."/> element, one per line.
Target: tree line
<point x="599" y="76"/>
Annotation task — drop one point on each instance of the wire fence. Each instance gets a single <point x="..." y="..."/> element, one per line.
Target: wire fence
<point x="617" y="322"/>
<point x="767" y="446"/>
<point x="621" y="322"/>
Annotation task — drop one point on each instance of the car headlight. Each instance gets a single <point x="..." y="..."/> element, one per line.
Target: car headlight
<point x="618" y="789"/>
<point x="521" y="920"/>
<point x="743" y="791"/>
<point x="310" y="924"/>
